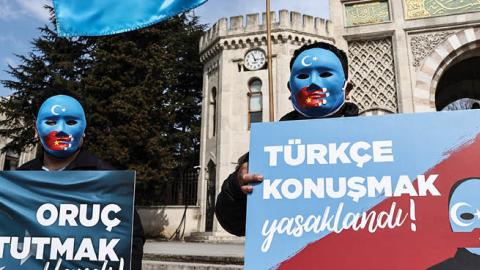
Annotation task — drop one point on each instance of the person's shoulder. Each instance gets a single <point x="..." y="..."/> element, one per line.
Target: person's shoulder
<point x="88" y="161"/>
<point x="100" y="164"/>
<point x="293" y="115"/>
<point x="350" y="109"/>
<point x="32" y="165"/>
<point x="103" y="165"/>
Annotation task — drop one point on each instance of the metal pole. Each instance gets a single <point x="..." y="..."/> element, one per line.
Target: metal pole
<point x="269" y="62"/>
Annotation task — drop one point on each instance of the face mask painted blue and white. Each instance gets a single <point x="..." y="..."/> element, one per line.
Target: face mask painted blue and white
<point x="317" y="83"/>
<point x="61" y="125"/>
<point x="465" y="209"/>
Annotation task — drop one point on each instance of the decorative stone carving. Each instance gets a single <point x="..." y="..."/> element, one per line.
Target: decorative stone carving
<point x="367" y="13"/>
<point x="372" y="72"/>
<point x="428" y="8"/>
<point x="423" y="45"/>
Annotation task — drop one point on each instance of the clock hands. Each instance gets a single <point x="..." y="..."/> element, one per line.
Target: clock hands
<point x="254" y="59"/>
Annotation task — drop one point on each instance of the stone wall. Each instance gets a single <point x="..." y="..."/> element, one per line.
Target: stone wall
<point x="163" y="221"/>
<point x="247" y="32"/>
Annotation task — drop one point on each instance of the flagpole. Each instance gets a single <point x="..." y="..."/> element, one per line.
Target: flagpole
<point x="269" y="63"/>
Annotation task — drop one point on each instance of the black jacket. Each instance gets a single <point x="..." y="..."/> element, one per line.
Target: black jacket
<point x="463" y="260"/>
<point x="231" y="206"/>
<point x="86" y="161"/>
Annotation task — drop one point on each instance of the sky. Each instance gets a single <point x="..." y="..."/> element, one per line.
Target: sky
<point x="20" y="19"/>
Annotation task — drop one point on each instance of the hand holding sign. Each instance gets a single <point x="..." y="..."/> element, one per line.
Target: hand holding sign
<point x="245" y="179"/>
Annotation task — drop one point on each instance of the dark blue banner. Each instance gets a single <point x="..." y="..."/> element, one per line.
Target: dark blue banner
<point x="66" y="220"/>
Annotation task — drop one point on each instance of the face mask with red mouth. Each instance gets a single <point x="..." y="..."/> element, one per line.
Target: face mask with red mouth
<point x="317" y="83"/>
<point x="58" y="141"/>
<point x="61" y="125"/>
<point x="312" y="97"/>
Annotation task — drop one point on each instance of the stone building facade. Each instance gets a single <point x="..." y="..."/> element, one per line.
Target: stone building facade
<point x="406" y="56"/>
<point x="400" y="49"/>
<point x="9" y="160"/>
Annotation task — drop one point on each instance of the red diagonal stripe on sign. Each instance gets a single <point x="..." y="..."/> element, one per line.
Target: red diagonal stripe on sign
<point x="401" y="248"/>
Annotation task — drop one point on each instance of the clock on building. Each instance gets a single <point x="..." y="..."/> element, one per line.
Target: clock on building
<point x="255" y="59"/>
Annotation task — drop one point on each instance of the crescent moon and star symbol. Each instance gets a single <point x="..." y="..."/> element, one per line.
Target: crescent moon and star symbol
<point x="454" y="216"/>
<point x="55" y="109"/>
<point x="307" y="64"/>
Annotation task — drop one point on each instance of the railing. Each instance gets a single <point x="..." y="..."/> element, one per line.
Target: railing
<point x="180" y="189"/>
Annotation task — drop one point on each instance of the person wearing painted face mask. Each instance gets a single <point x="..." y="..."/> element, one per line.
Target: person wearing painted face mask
<point x="60" y="125"/>
<point x="464" y="214"/>
<point x="319" y="88"/>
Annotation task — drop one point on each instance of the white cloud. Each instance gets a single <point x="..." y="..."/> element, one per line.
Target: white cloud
<point x="7" y="12"/>
<point x="10" y="61"/>
<point x="213" y="10"/>
<point x="12" y="42"/>
<point x="20" y="8"/>
<point x="35" y="8"/>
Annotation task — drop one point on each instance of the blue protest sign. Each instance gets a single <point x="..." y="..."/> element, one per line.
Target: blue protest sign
<point x="390" y="192"/>
<point x="66" y="220"/>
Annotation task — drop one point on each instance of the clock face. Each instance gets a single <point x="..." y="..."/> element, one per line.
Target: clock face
<point x="255" y="59"/>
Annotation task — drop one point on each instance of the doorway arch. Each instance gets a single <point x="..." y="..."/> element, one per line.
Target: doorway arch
<point x="453" y="50"/>
<point x="459" y="81"/>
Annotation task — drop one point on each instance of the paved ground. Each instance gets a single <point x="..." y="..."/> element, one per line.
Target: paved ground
<point x="192" y="256"/>
<point x="155" y="265"/>
<point x="194" y="249"/>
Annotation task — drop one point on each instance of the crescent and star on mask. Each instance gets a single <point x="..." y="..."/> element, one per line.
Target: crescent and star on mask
<point x="54" y="110"/>
<point x="309" y="63"/>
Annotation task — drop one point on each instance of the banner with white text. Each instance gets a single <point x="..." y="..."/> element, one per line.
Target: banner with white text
<point x="66" y="220"/>
<point x="387" y="192"/>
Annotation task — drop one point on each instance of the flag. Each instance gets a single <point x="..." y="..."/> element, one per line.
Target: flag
<point x="106" y="17"/>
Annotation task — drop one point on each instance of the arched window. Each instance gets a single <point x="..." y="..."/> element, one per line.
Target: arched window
<point x="255" y="107"/>
<point x="213" y="111"/>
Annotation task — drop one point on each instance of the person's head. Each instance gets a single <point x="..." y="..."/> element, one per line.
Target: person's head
<point x="319" y="80"/>
<point x="464" y="207"/>
<point x="60" y="124"/>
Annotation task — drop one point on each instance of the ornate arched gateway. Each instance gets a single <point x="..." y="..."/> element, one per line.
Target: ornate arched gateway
<point x="455" y="54"/>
